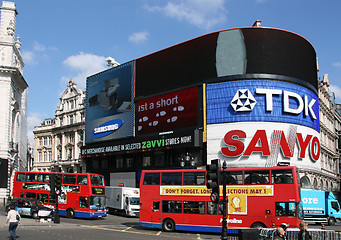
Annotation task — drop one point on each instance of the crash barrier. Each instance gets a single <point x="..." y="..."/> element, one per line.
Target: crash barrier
<point x="242" y="233"/>
<point x="292" y="234"/>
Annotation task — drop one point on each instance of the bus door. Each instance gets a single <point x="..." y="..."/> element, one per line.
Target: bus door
<point x="156" y="214"/>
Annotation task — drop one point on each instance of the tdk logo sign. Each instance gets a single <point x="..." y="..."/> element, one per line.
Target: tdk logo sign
<point x="107" y="128"/>
<point x="262" y="101"/>
<point x="243" y="100"/>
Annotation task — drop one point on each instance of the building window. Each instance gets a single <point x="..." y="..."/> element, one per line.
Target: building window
<point x="44" y="156"/>
<point x="45" y="141"/>
<point x="39" y="156"/>
<point x="49" y="139"/>
<point x="50" y="156"/>
<point x="40" y="141"/>
<point x="71" y="119"/>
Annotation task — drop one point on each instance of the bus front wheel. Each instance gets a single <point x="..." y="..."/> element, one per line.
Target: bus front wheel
<point x="70" y="213"/>
<point x="258" y="225"/>
<point x="168" y="225"/>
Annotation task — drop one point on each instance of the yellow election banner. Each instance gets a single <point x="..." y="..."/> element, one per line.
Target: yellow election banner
<point x="248" y="190"/>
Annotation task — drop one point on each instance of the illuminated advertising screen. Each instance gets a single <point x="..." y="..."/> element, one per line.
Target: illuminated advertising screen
<point x="262" y="100"/>
<point x="262" y="144"/>
<point x="227" y="53"/>
<point x="168" y="112"/>
<point x="110" y="104"/>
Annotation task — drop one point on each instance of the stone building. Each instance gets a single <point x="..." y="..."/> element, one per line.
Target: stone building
<point x="330" y="122"/>
<point x="13" y="100"/>
<point x="57" y="141"/>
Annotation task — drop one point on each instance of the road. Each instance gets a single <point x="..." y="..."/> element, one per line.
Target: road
<point x="112" y="227"/>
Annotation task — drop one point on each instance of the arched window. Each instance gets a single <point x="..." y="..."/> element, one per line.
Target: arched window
<point x="305" y="182"/>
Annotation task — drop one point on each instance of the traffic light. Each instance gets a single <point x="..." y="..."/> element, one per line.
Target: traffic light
<point x="59" y="182"/>
<point x="52" y="186"/>
<point x="213" y="179"/>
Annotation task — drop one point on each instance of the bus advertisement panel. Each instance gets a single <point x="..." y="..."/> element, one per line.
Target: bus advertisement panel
<point x="257" y="197"/>
<point x="82" y="195"/>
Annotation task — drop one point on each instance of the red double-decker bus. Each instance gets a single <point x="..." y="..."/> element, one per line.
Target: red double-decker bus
<point x="82" y="195"/>
<point x="257" y="197"/>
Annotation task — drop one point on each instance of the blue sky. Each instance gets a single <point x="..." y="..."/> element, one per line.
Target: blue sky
<point x="70" y="39"/>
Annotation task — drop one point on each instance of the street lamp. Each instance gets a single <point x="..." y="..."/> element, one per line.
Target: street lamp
<point x="187" y="161"/>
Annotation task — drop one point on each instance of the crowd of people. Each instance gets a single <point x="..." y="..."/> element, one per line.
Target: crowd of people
<point x="302" y="235"/>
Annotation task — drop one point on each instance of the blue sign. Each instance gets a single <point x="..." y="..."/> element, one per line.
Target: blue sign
<point x="110" y="97"/>
<point x="262" y="101"/>
<point x="107" y="128"/>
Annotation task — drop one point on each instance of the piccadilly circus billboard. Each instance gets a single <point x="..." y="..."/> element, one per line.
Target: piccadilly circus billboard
<point x="257" y="123"/>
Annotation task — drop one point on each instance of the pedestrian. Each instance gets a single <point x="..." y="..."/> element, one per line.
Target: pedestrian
<point x="303" y="234"/>
<point x="280" y="234"/>
<point x="13" y="217"/>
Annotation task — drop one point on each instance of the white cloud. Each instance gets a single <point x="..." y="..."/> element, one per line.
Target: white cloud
<point x="83" y="66"/>
<point x="33" y="119"/>
<point x="28" y="57"/>
<point x="337" y="64"/>
<point x="203" y="14"/>
<point x="337" y="90"/>
<point x="139" y="37"/>
<point x="37" y="47"/>
<point x="37" y="53"/>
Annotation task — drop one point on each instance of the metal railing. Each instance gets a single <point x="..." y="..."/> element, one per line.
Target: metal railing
<point x="292" y="234"/>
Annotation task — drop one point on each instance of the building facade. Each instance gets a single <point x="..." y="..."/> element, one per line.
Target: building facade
<point x="57" y="141"/>
<point x="13" y="98"/>
<point x="220" y="95"/>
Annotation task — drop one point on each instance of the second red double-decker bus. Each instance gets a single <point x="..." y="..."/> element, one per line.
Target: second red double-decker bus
<point x="82" y="195"/>
<point x="257" y="197"/>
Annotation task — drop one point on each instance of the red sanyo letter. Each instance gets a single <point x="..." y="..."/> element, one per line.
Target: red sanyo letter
<point x="315" y="148"/>
<point x="303" y="144"/>
<point x="230" y="141"/>
<point x="260" y="136"/>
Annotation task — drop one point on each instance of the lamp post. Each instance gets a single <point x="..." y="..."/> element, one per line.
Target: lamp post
<point x="187" y="161"/>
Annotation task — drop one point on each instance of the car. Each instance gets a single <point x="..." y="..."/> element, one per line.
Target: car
<point x="30" y="207"/>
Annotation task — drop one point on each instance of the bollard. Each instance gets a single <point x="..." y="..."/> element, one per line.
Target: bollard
<point x="322" y="226"/>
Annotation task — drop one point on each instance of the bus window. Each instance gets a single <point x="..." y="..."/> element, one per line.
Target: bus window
<point x="194" y="207"/>
<point x="257" y="177"/>
<point x="151" y="179"/>
<point x="31" y="177"/>
<point x="21" y="177"/>
<point x="194" y="178"/>
<point x="43" y="178"/>
<point x="285" y="209"/>
<point x="211" y="208"/>
<point x="30" y="195"/>
<point x="69" y="179"/>
<point x="171" y="207"/>
<point x="171" y="178"/>
<point x="97" y="180"/>
<point x="52" y="200"/>
<point x="83" y="202"/>
<point x="156" y="205"/>
<point x="283" y="176"/>
<point x="82" y="180"/>
<point x="43" y="197"/>
<point x="234" y="177"/>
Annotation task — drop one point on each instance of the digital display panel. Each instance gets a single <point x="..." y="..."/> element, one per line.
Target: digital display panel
<point x="262" y="100"/>
<point x="110" y="104"/>
<point x="168" y="112"/>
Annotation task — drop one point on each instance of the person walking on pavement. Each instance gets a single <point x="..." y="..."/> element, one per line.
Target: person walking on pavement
<point x="303" y="234"/>
<point x="13" y="217"/>
<point x="280" y="234"/>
